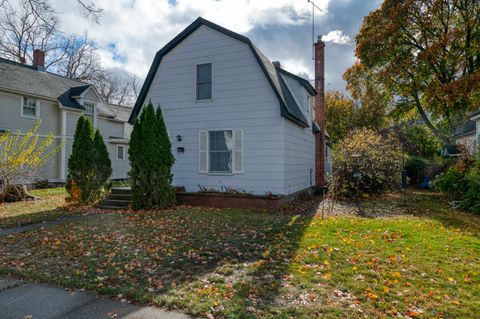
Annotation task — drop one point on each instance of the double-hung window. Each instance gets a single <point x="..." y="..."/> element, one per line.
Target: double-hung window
<point x="89" y="110"/>
<point x="204" y="82"/>
<point x="29" y="108"/>
<point x="221" y="151"/>
<point x="120" y="152"/>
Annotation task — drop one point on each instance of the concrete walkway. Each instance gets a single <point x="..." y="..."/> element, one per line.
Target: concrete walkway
<point x="29" y="227"/>
<point x="22" y="300"/>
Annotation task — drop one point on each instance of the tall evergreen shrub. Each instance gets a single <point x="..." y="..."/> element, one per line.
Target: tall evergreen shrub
<point x="89" y="166"/>
<point x="151" y="161"/>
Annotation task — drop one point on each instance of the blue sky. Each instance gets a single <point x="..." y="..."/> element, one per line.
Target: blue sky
<point x="131" y="31"/>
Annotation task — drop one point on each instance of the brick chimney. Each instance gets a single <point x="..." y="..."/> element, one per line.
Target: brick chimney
<point x="39" y="59"/>
<point x="320" y="143"/>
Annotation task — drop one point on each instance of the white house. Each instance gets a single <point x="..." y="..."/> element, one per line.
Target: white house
<point x="236" y="120"/>
<point x="29" y="93"/>
<point x="468" y="134"/>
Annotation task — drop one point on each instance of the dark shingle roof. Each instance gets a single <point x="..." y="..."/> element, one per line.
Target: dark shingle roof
<point x="475" y="113"/>
<point x="468" y="127"/>
<point x="288" y="107"/>
<point x="28" y="80"/>
<point x="67" y="100"/>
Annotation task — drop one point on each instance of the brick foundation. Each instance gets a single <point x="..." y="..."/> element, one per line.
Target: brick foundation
<point x="225" y="200"/>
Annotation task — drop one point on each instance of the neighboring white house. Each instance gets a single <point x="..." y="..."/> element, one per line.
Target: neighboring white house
<point x="28" y="93"/>
<point x="468" y="134"/>
<point x="235" y="119"/>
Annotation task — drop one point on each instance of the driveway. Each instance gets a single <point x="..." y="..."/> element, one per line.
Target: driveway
<point x="23" y="300"/>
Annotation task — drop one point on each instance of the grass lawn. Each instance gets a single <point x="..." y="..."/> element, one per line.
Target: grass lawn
<point x="240" y="264"/>
<point x="50" y="206"/>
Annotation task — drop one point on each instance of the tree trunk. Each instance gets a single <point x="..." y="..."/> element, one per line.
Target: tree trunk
<point x="445" y="139"/>
<point x="15" y="193"/>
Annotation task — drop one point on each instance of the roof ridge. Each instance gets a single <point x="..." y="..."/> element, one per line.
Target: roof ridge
<point x="33" y="68"/>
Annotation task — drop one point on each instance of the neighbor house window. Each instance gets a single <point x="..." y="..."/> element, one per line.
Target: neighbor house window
<point x="120" y="152"/>
<point x="220" y="150"/>
<point x="29" y="107"/>
<point x="204" y="81"/>
<point x="89" y="110"/>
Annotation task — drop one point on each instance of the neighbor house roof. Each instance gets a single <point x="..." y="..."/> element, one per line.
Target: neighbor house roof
<point x="474" y="114"/>
<point x="288" y="106"/>
<point x="467" y="128"/>
<point x="26" y="79"/>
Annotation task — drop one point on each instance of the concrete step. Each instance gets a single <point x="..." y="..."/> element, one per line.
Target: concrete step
<point x="119" y="196"/>
<point x="110" y="207"/>
<point x="123" y="190"/>
<point x="115" y="202"/>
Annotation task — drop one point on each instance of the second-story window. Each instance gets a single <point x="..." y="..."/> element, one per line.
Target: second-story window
<point x="89" y="110"/>
<point x="204" y="81"/>
<point x="29" y="108"/>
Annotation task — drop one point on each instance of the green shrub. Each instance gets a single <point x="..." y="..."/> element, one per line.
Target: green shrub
<point x="452" y="183"/>
<point x="376" y="157"/>
<point x="151" y="161"/>
<point x="471" y="197"/>
<point x="415" y="168"/>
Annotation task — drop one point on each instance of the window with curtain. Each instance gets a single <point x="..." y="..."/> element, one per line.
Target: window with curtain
<point x="204" y="81"/>
<point x="220" y="151"/>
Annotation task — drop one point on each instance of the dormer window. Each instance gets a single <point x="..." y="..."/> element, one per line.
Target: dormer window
<point x="204" y="82"/>
<point x="89" y="110"/>
<point x="29" y="108"/>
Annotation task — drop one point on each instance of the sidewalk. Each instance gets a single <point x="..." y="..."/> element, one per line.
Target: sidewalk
<point x="23" y="300"/>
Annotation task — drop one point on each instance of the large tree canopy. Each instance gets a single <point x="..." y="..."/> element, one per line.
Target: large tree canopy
<point x="427" y="53"/>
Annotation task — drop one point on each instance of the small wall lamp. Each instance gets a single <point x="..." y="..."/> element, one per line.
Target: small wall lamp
<point x="179" y="138"/>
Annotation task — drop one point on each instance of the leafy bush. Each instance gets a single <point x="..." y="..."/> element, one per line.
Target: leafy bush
<point x="376" y="157"/>
<point x="89" y="165"/>
<point x="471" y="197"/>
<point x="461" y="182"/>
<point x="451" y="183"/>
<point x="151" y="161"/>
<point x="415" y="168"/>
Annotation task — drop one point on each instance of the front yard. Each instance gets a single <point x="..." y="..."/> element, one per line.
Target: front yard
<point x="50" y="205"/>
<point x="240" y="264"/>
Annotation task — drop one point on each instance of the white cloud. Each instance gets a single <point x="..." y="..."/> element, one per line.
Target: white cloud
<point x="138" y="29"/>
<point x="337" y="36"/>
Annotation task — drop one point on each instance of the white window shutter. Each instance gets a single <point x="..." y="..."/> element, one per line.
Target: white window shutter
<point x="238" y="151"/>
<point x="203" y="151"/>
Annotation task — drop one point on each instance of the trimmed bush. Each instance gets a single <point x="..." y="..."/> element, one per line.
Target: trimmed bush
<point x="378" y="158"/>
<point x="151" y="161"/>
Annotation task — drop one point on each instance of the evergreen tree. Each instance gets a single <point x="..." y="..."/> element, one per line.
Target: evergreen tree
<point x="80" y="163"/>
<point x="151" y="161"/>
<point x="102" y="167"/>
<point x="89" y="166"/>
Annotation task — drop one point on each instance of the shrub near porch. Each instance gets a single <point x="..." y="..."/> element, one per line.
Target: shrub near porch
<point x="241" y="264"/>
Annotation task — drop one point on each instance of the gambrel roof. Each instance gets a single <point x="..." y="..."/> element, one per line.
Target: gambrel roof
<point x="288" y="106"/>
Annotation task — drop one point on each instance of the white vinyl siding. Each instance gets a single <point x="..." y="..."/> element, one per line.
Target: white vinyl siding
<point x="242" y="99"/>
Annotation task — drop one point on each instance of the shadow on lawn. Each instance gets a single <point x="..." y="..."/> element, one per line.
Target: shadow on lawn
<point x="167" y="257"/>
<point x="251" y="252"/>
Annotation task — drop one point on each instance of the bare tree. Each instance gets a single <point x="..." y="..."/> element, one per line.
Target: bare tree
<point x="78" y="59"/>
<point x="121" y="88"/>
